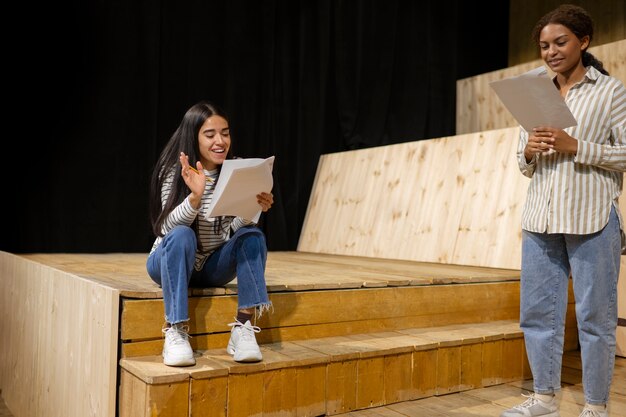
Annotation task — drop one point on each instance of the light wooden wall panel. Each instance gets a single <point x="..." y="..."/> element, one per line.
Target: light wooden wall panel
<point x="59" y="342"/>
<point x="478" y="108"/>
<point x="449" y="200"/>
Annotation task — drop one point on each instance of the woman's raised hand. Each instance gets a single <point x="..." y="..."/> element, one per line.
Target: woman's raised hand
<point x="194" y="178"/>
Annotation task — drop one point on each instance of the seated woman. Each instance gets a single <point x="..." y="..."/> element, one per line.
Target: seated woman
<point x="192" y="250"/>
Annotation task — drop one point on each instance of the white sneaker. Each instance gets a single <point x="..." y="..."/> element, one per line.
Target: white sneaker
<point x="533" y="407"/>
<point x="176" y="349"/>
<point x="242" y="344"/>
<point x="590" y="412"/>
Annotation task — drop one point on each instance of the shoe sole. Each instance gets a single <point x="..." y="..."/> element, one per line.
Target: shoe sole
<point x="245" y="356"/>
<point x="253" y="357"/>
<point x="553" y="414"/>
<point x="179" y="362"/>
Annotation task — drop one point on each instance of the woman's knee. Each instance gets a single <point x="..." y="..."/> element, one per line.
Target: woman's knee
<point x="252" y="234"/>
<point x="250" y="239"/>
<point x="183" y="237"/>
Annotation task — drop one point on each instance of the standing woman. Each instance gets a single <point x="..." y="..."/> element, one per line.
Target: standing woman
<point x="571" y="220"/>
<point x="192" y="250"/>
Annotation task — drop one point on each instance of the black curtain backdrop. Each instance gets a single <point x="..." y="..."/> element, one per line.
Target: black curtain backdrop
<point x="98" y="87"/>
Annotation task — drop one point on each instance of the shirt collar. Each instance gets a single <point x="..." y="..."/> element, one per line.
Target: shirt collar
<point x="591" y="75"/>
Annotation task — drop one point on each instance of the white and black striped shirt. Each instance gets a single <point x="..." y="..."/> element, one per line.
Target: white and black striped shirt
<point x="574" y="193"/>
<point x="185" y="214"/>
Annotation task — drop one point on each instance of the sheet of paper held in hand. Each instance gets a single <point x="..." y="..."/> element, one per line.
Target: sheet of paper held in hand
<point x="239" y="183"/>
<point x="534" y="101"/>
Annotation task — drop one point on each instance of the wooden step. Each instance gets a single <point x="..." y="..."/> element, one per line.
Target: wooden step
<point x="324" y="313"/>
<point x="494" y="400"/>
<point x="327" y="376"/>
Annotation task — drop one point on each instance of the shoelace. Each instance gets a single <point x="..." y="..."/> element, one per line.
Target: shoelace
<point x="588" y="412"/>
<point x="247" y="330"/>
<point x="528" y="403"/>
<point x="177" y="334"/>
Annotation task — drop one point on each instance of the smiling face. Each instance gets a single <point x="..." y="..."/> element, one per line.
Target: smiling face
<point x="561" y="50"/>
<point x="214" y="142"/>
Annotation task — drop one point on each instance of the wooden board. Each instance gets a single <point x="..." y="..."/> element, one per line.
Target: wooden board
<point x="143" y="319"/>
<point x="478" y="108"/>
<point x="285" y="271"/>
<point x="491" y="401"/>
<point x="59" y="341"/>
<point x="454" y="200"/>
<point x="309" y="283"/>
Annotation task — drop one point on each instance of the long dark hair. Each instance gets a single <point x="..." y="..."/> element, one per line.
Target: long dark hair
<point x="576" y="19"/>
<point x="184" y="139"/>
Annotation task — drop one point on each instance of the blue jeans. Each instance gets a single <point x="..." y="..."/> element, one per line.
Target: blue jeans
<point x="171" y="266"/>
<point x="594" y="261"/>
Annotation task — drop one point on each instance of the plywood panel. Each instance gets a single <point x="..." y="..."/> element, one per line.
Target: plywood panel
<point x="168" y="400"/>
<point x="455" y="200"/>
<point x="478" y="108"/>
<point x="133" y="393"/>
<point x="341" y="380"/>
<point x="471" y="366"/>
<point x="285" y="271"/>
<point x="512" y="355"/>
<point x="493" y="400"/>
<point x="424" y="373"/>
<point x="370" y="390"/>
<point x="59" y="341"/>
<point x="141" y="319"/>
<point x="311" y="391"/>
<point x="492" y="362"/>
<point x="398" y="378"/>
<point x="279" y="392"/>
<point x="252" y="405"/>
<point x="448" y="370"/>
<point x="208" y="397"/>
<point x="124" y="271"/>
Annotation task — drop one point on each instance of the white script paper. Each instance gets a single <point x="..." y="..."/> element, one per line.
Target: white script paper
<point x="534" y="101"/>
<point x="239" y="183"/>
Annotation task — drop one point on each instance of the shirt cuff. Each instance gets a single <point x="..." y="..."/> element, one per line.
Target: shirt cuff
<point x="525" y="166"/>
<point x="589" y="153"/>
<point x="189" y="207"/>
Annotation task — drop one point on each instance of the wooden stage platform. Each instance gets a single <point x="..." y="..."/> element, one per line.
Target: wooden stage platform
<point x="366" y="332"/>
<point x="286" y="271"/>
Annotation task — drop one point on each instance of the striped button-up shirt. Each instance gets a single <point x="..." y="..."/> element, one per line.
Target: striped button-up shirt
<point x="185" y="214"/>
<point x="574" y="193"/>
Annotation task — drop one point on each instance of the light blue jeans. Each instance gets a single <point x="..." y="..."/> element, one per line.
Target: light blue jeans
<point x="594" y="261"/>
<point x="171" y="266"/>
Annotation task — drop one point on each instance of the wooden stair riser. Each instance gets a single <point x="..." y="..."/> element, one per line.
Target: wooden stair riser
<point x="299" y="316"/>
<point x="143" y="319"/>
<point x="330" y="388"/>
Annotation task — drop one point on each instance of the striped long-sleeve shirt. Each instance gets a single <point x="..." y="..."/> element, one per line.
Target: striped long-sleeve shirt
<point x="574" y="193"/>
<point x="185" y="214"/>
